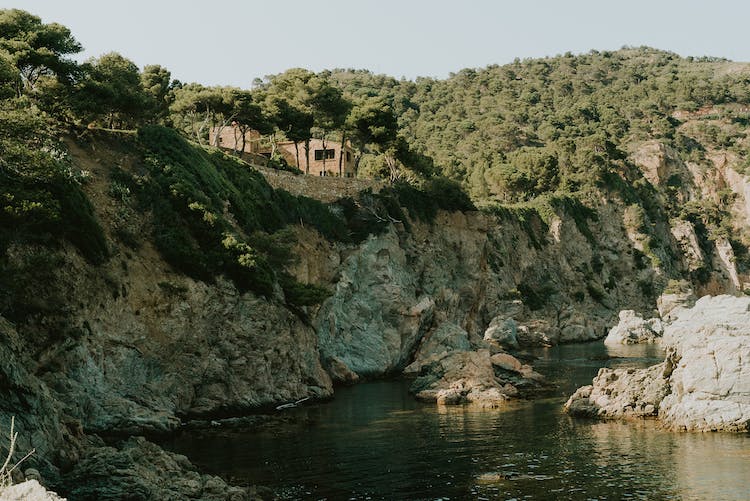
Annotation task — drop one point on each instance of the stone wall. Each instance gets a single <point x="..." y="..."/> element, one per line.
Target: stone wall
<point x="325" y="189"/>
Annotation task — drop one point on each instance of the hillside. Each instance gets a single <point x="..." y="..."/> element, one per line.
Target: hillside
<point x="149" y="280"/>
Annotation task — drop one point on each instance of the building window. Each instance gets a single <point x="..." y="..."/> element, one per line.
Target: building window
<point x="348" y="156"/>
<point x="328" y="152"/>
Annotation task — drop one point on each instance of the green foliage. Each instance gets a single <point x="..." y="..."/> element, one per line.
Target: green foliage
<point x="435" y="194"/>
<point x="41" y="198"/>
<point x="156" y="82"/>
<point x="191" y="192"/>
<point x="35" y="49"/>
<point x="111" y="92"/>
<point x="595" y="292"/>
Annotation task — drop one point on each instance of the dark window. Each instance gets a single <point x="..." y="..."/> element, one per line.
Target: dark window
<point x="329" y="154"/>
<point x="348" y="156"/>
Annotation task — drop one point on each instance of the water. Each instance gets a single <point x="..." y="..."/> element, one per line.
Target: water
<point x="375" y="442"/>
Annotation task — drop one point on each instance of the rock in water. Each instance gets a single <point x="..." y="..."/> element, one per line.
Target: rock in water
<point x="475" y="377"/>
<point x="633" y="329"/>
<point x="704" y="383"/>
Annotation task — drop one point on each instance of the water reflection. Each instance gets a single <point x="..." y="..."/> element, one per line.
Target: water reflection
<point x="375" y="442"/>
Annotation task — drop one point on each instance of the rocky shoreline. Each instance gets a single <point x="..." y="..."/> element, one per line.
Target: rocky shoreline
<point x="703" y="384"/>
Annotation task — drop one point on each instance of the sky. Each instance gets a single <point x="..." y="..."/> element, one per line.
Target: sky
<point x="232" y="42"/>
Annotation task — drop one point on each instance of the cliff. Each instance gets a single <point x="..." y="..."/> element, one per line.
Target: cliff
<point x="145" y="339"/>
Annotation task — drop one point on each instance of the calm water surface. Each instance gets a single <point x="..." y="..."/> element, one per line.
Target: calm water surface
<point x="375" y="442"/>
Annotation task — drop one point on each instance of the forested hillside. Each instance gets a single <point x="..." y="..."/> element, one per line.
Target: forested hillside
<point x="579" y="126"/>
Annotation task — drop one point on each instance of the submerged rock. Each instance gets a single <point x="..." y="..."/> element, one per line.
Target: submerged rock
<point x="633" y="329"/>
<point x="340" y="372"/>
<point x="704" y="383"/>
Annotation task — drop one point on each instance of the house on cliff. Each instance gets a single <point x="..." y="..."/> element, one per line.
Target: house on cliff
<point x="333" y="160"/>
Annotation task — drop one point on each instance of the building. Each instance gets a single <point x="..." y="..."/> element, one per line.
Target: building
<point x="322" y="162"/>
<point x="333" y="161"/>
<point x="230" y="138"/>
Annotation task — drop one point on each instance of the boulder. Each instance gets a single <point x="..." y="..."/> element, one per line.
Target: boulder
<point x="340" y="372"/>
<point x="138" y="469"/>
<point x="711" y="378"/>
<point x="460" y="377"/>
<point x="30" y="490"/>
<point x="633" y="329"/>
<point x="475" y="377"/>
<point x="447" y="337"/>
<point x="669" y="304"/>
<point x="704" y="383"/>
<point x="621" y="393"/>
<point x="503" y="331"/>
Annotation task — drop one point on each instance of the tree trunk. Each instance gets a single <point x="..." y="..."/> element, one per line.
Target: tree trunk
<point x="307" y="156"/>
<point x="341" y="154"/>
<point x="296" y="150"/>
<point x="218" y="131"/>
<point x="325" y="143"/>
<point x="199" y="133"/>
<point x="357" y="159"/>
<point x="243" y="131"/>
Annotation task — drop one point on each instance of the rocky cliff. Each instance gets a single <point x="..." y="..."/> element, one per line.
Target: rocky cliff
<point x="135" y="346"/>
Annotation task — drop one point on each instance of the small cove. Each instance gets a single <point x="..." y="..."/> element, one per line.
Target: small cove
<point x="374" y="441"/>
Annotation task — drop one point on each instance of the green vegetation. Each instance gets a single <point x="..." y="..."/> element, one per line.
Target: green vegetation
<point x="529" y="141"/>
<point x="212" y="215"/>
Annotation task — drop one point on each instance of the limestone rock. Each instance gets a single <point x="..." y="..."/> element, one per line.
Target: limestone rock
<point x="621" y="393"/>
<point x="30" y="490"/>
<point x="633" y="329"/>
<point x="475" y="377"/>
<point x="503" y="331"/>
<point x="444" y="339"/>
<point x="711" y="378"/>
<point x="139" y="469"/>
<point x="668" y="304"/>
<point x="704" y="383"/>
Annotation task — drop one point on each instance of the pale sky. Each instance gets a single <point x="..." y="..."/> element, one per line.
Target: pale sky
<point x="231" y="42"/>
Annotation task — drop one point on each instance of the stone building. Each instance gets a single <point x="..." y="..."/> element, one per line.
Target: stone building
<point x="331" y="161"/>
<point x="230" y="138"/>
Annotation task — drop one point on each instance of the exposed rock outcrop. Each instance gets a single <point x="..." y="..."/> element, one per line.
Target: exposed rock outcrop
<point x="704" y="383"/>
<point x="475" y="377"/>
<point x="30" y="490"/>
<point x="139" y="469"/>
<point x="633" y="329"/>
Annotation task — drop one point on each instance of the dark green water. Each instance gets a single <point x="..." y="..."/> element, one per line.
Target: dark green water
<point x="375" y="442"/>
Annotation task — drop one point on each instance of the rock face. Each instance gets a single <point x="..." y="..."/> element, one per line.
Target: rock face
<point x="633" y="329"/>
<point x="131" y="346"/>
<point x="621" y="393"/>
<point x="444" y="339"/>
<point x="703" y="385"/>
<point x="140" y="470"/>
